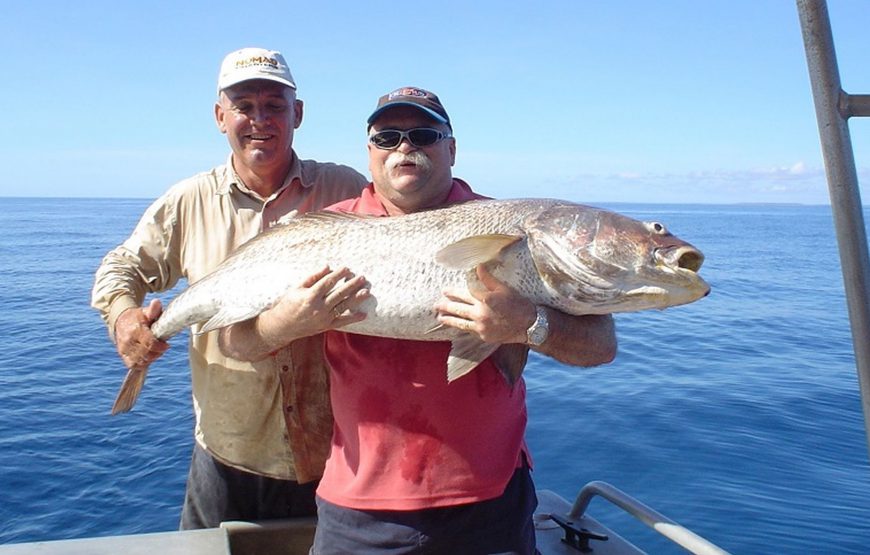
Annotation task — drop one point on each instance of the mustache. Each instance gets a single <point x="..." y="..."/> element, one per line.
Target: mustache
<point x="418" y="158"/>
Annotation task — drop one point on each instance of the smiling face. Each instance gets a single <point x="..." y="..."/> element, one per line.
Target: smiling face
<point x="259" y="118"/>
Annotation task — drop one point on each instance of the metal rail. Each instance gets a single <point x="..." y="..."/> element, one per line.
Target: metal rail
<point x="834" y="107"/>
<point x="655" y="520"/>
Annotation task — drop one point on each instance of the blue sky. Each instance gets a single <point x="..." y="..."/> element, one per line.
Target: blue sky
<point x="594" y="101"/>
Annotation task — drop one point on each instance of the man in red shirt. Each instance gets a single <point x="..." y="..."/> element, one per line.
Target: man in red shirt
<point x="419" y="464"/>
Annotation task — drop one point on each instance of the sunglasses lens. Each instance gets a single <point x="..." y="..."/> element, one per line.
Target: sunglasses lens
<point x="386" y="139"/>
<point x="420" y="137"/>
<point x="423" y="137"/>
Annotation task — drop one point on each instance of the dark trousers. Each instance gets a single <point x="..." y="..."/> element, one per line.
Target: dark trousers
<point x="217" y="492"/>
<point x="502" y="525"/>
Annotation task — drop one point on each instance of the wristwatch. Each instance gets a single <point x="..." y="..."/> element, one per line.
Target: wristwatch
<point x="540" y="328"/>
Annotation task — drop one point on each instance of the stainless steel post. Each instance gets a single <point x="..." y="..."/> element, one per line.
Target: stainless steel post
<point x="833" y="109"/>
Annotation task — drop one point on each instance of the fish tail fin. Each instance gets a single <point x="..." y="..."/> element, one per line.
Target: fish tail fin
<point x="466" y="353"/>
<point x="129" y="391"/>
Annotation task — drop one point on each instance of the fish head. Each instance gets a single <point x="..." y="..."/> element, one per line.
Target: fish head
<point x="598" y="261"/>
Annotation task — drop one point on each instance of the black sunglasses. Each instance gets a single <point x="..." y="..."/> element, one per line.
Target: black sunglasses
<point x="389" y="139"/>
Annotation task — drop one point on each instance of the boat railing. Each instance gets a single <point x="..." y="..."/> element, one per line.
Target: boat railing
<point x="580" y="535"/>
<point x="834" y="107"/>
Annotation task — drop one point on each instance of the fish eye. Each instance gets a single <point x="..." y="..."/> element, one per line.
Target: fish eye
<point x="656" y="227"/>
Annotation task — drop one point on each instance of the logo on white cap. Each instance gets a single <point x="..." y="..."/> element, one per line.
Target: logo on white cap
<point x="254" y="63"/>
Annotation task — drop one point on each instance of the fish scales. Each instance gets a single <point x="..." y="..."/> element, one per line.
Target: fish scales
<point x="396" y="255"/>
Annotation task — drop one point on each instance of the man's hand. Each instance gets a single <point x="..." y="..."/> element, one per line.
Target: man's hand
<point x="496" y="313"/>
<point x="328" y="299"/>
<point x="136" y="345"/>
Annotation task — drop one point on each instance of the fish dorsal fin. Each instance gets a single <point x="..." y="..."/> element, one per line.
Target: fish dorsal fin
<point x="333" y="216"/>
<point x="287" y="217"/>
<point x="466" y="352"/>
<point x="470" y="252"/>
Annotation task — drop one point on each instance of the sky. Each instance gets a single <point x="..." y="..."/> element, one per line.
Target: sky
<point x="672" y="101"/>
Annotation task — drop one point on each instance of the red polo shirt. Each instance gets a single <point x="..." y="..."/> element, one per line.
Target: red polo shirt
<point x="405" y="439"/>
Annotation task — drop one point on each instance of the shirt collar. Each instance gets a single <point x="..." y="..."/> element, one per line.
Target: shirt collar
<point x="369" y="202"/>
<point x="230" y="178"/>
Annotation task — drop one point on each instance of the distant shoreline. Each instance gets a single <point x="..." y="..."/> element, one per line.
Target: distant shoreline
<point x="589" y="202"/>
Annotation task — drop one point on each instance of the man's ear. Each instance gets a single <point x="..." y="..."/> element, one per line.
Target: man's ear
<point x="299" y="107"/>
<point x="219" y="114"/>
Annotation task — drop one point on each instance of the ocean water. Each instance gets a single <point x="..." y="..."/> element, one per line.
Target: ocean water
<point x="737" y="416"/>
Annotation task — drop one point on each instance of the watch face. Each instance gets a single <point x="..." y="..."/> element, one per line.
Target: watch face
<point x="537" y="334"/>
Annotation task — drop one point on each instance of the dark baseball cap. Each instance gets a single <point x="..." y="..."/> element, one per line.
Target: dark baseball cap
<point x="421" y="99"/>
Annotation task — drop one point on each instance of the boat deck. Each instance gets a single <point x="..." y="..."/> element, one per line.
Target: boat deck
<point x="294" y="537"/>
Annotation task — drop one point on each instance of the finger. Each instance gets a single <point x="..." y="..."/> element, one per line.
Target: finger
<point x="157" y="348"/>
<point x="486" y="283"/>
<point x="451" y="309"/>
<point x="134" y="361"/>
<point x="145" y="353"/>
<point x="455" y="322"/>
<point x="153" y="310"/>
<point x="457" y="306"/>
<point x="458" y="295"/>
<point x="486" y="278"/>
<point x="329" y="282"/>
<point x="345" y="290"/>
<point x="315" y="277"/>
<point x="355" y="300"/>
<point x="348" y="318"/>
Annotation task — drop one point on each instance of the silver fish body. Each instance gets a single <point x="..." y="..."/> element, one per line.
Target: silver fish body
<point x="571" y="257"/>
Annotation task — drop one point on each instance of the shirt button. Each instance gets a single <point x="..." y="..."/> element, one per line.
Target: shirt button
<point x="289" y="408"/>
<point x="285" y="368"/>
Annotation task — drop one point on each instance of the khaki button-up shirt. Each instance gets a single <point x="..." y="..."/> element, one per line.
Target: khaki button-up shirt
<point x="271" y="417"/>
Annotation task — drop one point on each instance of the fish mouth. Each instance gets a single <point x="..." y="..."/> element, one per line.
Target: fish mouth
<point x="680" y="258"/>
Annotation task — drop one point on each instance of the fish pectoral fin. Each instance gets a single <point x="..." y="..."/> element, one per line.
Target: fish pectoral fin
<point x="225" y="318"/>
<point x="511" y="359"/>
<point x="470" y="252"/>
<point x="466" y="353"/>
<point x="129" y="391"/>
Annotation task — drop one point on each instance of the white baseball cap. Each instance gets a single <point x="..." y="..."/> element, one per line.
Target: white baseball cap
<point x="254" y="63"/>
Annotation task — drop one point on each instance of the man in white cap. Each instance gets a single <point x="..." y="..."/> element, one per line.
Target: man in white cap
<point x="262" y="429"/>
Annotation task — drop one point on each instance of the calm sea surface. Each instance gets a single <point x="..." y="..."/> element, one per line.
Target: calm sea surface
<point x="738" y="416"/>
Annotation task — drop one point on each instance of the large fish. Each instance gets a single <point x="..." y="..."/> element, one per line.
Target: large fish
<point x="574" y="258"/>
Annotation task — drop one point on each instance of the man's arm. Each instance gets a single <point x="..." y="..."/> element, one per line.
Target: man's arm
<point x="142" y="264"/>
<point x="118" y="291"/>
<point x="498" y="314"/>
<point x="587" y="340"/>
